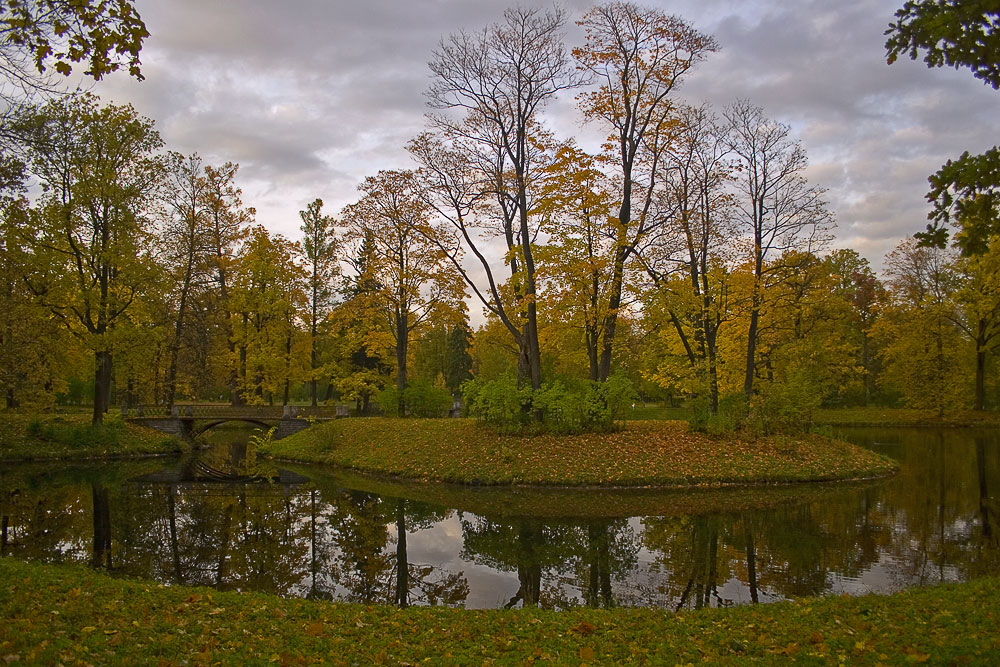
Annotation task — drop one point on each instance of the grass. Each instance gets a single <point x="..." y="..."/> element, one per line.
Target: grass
<point x="72" y="615"/>
<point x="646" y="453"/>
<point x="27" y="437"/>
<point x="876" y="416"/>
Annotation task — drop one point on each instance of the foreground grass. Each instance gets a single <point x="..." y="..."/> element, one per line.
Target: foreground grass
<point x="26" y="437"/>
<point x="657" y="453"/>
<point x="875" y="416"/>
<point x="72" y="615"/>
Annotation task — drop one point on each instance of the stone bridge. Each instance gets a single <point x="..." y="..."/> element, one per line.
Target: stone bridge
<point x="190" y="421"/>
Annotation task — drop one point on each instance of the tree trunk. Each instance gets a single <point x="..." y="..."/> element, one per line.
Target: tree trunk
<point x="981" y="364"/>
<point x="402" y="566"/>
<point x="402" y="341"/>
<point x="102" y="527"/>
<point x="751" y="352"/>
<point x="102" y="385"/>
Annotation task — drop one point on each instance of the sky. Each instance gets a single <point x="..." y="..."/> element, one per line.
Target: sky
<point x="311" y="96"/>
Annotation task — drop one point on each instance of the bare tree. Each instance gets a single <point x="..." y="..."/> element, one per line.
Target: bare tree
<point x="687" y="257"/>
<point x="500" y="77"/>
<point x="637" y="56"/>
<point x="777" y="209"/>
<point x="186" y="241"/>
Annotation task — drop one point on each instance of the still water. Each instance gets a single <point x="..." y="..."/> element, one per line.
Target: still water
<point x="222" y="520"/>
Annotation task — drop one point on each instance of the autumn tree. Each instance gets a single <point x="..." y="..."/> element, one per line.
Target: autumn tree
<point x="576" y="261"/>
<point x="321" y="250"/>
<point x="187" y="241"/>
<point x="90" y="232"/>
<point x="855" y="283"/>
<point x="637" y="57"/>
<point x="416" y="280"/>
<point x="33" y="345"/>
<point x="977" y="315"/>
<point x="229" y="221"/>
<point x="923" y="350"/>
<point x="500" y="78"/>
<point x="777" y="210"/>
<point x="360" y="337"/>
<point x="267" y="297"/>
<point x="688" y="256"/>
<point x="965" y="192"/>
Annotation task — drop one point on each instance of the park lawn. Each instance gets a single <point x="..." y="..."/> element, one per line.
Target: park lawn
<point x="876" y="416"/>
<point x="643" y="453"/>
<point x="74" y="615"/>
<point x="27" y="437"/>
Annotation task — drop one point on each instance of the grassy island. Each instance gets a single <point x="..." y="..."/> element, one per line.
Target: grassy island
<point x="40" y="437"/>
<point x="73" y="615"/>
<point x="644" y="453"/>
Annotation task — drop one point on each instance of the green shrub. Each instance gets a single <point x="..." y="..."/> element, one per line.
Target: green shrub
<point x="554" y="408"/>
<point x="729" y="418"/>
<point x="420" y="399"/>
<point x="388" y="401"/>
<point x="785" y="407"/>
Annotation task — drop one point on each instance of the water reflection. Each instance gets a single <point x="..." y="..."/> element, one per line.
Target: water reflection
<point x="227" y="522"/>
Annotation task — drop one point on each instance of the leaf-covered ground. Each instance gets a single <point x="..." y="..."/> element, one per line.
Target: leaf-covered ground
<point x="25" y="437"/>
<point x="74" y="616"/>
<point x="657" y="453"/>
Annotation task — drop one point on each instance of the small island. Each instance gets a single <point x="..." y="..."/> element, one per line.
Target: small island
<point x="642" y="453"/>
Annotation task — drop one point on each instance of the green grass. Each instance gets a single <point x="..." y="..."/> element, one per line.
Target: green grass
<point x="875" y="416"/>
<point x="659" y="453"/>
<point x="72" y="615"/>
<point x="26" y="437"/>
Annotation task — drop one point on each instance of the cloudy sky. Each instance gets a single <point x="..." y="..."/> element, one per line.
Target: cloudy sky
<point x="311" y="96"/>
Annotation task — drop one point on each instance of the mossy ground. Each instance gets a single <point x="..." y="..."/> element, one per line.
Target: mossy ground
<point x="73" y="615"/>
<point x="28" y="436"/>
<point x="644" y="453"/>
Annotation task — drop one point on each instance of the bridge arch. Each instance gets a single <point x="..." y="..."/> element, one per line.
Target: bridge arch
<point x="200" y="429"/>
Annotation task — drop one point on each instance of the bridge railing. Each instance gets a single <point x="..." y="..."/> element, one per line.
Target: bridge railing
<point x="211" y="411"/>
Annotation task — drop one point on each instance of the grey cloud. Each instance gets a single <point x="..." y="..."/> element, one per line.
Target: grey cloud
<point x="310" y="96"/>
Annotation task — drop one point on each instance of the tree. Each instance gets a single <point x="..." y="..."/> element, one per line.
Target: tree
<point x="267" y="297"/>
<point x="687" y="257"/>
<point x="949" y="32"/>
<point x="965" y="191"/>
<point x="90" y="234"/>
<point x="638" y="56"/>
<point x="577" y="258"/>
<point x="229" y="222"/>
<point x="978" y="308"/>
<point x="322" y="262"/>
<point x="923" y="356"/>
<point x="106" y="34"/>
<point x="186" y="243"/>
<point x="777" y="209"/>
<point x="501" y="78"/>
<point x="416" y="280"/>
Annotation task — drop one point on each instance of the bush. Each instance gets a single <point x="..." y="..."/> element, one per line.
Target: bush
<point x="554" y="408"/>
<point x="77" y="435"/>
<point x="785" y="407"/>
<point x="728" y="419"/>
<point x="420" y="399"/>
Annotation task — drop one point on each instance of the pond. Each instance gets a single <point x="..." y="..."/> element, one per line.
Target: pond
<point x="220" y="520"/>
